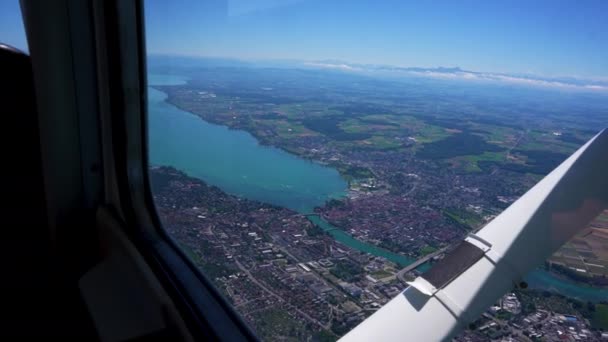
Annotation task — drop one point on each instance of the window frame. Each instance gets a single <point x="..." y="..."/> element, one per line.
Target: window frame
<point x="120" y="37"/>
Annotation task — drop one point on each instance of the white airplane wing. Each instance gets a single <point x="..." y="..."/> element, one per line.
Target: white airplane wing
<point x="486" y="265"/>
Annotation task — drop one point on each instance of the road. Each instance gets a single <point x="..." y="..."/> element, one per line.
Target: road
<point x="411" y="190"/>
<point x="508" y="152"/>
<point x="320" y="277"/>
<point x="263" y="287"/>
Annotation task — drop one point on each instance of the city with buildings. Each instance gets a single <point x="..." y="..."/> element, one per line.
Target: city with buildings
<point x="290" y="280"/>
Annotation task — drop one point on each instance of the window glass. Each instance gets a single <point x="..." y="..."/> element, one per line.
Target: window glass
<point x="312" y="156"/>
<point x="12" y="32"/>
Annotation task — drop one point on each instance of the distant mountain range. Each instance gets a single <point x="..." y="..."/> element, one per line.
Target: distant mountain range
<point x="457" y="73"/>
<point x="446" y="73"/>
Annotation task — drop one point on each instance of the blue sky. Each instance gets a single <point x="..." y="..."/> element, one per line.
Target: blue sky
<point x="11" y="25"/>
<point x="540" y="37"/>
<point x="543" y="37"/>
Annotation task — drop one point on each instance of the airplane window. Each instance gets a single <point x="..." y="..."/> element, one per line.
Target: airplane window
<point x="311" y="157"/>
<point x="12" y="31"/>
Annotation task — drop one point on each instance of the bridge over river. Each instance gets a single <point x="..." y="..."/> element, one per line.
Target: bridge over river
<point x="415" y="264"/>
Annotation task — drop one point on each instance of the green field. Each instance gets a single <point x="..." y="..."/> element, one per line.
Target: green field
<point x="427" y="250"/>
<point x="600" y="317"/>
<point x="381" y="143"/>
<point x="465" y="218"/>
<point x="381" y="274"/>
<point x="470" y="163"/>
<point x="430" y="133"/>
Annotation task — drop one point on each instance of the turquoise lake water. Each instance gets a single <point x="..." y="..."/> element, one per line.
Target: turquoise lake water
<point x="234" y="161"/>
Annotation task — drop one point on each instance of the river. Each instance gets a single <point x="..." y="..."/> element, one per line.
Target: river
<point x="544" y="280"/>
<point x="234" y="161"/>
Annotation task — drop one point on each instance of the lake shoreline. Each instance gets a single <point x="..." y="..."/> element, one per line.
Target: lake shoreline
<point x="339" y="235"/>
<point x="261" y="140"/>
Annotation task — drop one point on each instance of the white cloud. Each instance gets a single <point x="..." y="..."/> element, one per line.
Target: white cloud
<point x="332" y="66"/>
<point x="596" y="87"/>
<point x="458" y="74"/>
<point x="510" y="79"/>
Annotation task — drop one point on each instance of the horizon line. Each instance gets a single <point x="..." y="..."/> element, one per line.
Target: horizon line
<point x="565" y="81"/>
